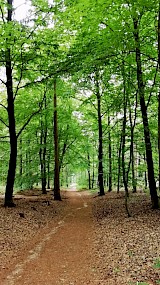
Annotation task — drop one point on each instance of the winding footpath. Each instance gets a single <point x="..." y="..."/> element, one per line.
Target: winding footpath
<point x="63" y="255"/>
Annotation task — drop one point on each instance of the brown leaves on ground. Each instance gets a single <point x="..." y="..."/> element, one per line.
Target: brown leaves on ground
<point x="126" y="249"/>
<point x="20" y="224"/>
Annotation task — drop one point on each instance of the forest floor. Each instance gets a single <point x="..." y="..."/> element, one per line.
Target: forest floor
<point x="82" y="240"/>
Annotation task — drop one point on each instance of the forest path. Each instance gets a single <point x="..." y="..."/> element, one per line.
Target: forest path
<point x="63" y="255"/>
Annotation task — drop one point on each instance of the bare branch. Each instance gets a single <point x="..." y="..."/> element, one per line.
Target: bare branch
<point x="2" y="13"/>
<point x="135" y="111"/>
<point x="20" y="78"/>
<point x="3" y="82"/>
<point x="27" y="122"/>
<point x="31" y="116"/>
<point x="1" y="120"/>
<point x="4" y="137"/>
<point x="34" y="82"/>
<point x="103" y="23"/>
<point x="154" y="82"/>
<point x="3" y="106"/>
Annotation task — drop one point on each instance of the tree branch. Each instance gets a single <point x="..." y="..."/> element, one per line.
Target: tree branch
<point x="20" y="79"/>
<point x="31" y="116"/>
<point x="1" y="120"/>
<point x="2" y="14"/>
<point x="3" y="106"/>
<point x="154" y="82"/>
<point x="3" y="82"/>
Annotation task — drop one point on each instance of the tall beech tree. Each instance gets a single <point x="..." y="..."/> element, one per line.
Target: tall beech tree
<point x="159" y="95"/>
<point x="141" y="91"/>
<point x="100" y="136"/>
<point x="110" y="156"/>
<point x="14" y="63"/>
<point x="57" y="195"/>
<point x="11" y="115"/>
<point x="43" y="147"/>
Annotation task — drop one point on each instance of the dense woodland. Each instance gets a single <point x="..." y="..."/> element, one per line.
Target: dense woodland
<point x="80" y="97"/>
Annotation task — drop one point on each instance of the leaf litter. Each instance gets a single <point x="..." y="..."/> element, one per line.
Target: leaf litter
<point x="125" y="250"/>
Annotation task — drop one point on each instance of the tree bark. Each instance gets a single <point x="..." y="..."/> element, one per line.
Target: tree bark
<point x="89" y="172"/>
<point x="159" y="96"/>
<point x="43" y="148"/>
<point x="11" y="118"/>
<point x="100" y="140"/>
<point x="110" y="157"/>
<point x="125" y="180"/>
<point x="64" y="149"/>
<point x="93" y="172"/>
<point x="119" y="164"/>
<point x="21" y="163"/>
<point x="134" y="182"/>
<point x="57" y="195"/>
<point x="145" y="173"/>
<point x="149" y="158"/>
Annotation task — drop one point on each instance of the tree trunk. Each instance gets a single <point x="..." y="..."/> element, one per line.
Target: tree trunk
<point x="64" y="149"/>
<point x="93" y="173"/>
<point x="123" y="153"/>
<point x="134" y="183"/>
<point x="145" y="173"/>
<point x="89" y="172"/>
<point x="159" y="96"/>
<point x="125" y="182"/>
<point x="67" y="176"/>
<point x="149" y="158"/>
<point x="159" y="139"/>
<point x="110" y="157"/>
<point x="57" y="195"/>
<point x="42" y="152"/>
<point x="21" y="163"/>
<point x="11" y="118"/>
<point x="48" y="170"/>
<point x="100" y="140"/>
<point x="119" y="164"/>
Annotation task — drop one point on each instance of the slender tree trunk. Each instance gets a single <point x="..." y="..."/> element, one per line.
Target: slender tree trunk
<point x="134" y="190"/>
<point x="159" y="96"/>
<point x="119" y="164"/>
<point x="20" y="163"/>
<point x="48" y="169"/>
<point x="64" y="149"/>
<point x="150" y="166"/>
<point x="42" y="155"/>
<point x="100" y="140"/>
<point x="43" y="147"/>
<point x="57" y="195"/>
<point x="44" y="164"/>
<point x="89" y="171"/>
<point x="11" y="118"/>
<point x="123" y="152"/>
<point x="93" y="173"/>
<point x="134" y="181"/>
<point x="67" y="176"/>
<point x="125" y="182"/>
<point x="159" y="139"/>
<point x="145" y="173"/>
<point x="48" y="173"/>
<point x="110" y="157"/>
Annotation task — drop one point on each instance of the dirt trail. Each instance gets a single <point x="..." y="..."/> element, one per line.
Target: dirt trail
<point x="63" y="255"/>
